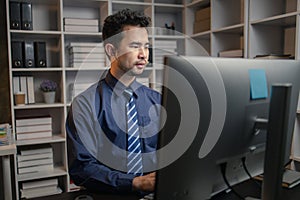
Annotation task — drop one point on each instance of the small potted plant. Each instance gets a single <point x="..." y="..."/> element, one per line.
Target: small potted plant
<point x="48" y="88"/>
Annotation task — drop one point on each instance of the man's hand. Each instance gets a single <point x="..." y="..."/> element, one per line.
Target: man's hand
<point x="144" y="183"/>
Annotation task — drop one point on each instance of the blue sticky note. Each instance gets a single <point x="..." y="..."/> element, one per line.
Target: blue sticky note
<point x="258" y="84"/>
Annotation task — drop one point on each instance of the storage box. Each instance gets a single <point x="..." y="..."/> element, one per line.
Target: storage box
<point x="200" y="26"/>
<point x="202" y="14"/>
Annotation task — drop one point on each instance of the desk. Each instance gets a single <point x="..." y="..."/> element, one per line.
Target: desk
<point x="5" y="152"/>
<point x="247" y="188"/>
<point x="250" y="188"/>
<point x="73" y="195"/>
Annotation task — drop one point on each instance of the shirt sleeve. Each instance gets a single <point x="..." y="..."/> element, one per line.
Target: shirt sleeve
<point x="85" y="170"/>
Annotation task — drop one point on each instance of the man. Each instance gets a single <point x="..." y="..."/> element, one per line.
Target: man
<point x="98" y="123"/>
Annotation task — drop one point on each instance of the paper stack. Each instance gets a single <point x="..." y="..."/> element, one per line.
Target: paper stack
<point x="35" y="160"/>
<point x="40" y="188"/>
<point x="81" y="25"/>
<point x="33" y="128"/>
<point x="86" y="55"/>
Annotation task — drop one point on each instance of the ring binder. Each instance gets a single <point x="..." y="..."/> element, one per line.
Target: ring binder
<point x="15" y="15"/>
<point x="26" y="12"/>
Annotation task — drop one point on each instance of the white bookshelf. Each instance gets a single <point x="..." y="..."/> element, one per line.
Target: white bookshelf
<point x="48" y="25"/>
<point x="256" y="26"/>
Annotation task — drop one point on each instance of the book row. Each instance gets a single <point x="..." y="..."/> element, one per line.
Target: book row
<point x="24" y="85"/>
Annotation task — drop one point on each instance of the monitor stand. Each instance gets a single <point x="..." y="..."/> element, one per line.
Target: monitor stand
<point x="277" y="131"/>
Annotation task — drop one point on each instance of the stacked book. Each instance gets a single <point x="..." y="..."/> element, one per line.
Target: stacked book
<point x="81" y="25"/>
<point x="40" y="188"/>
<point x="234" y="53"/>
<point x="35" y="160"/>
<point x="86" y="55"/>
<point x="33" y="128"/>
<point x="164" y="48"/>
<point x="5" y="134"/>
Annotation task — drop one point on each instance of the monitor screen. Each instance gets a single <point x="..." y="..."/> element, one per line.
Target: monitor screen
<point x="214" y="113"/>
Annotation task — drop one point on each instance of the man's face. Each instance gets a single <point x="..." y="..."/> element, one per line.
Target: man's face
<point x="133" y="50"/>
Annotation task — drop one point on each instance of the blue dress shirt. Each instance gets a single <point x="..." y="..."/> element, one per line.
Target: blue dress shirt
<point x="96" y="134"/>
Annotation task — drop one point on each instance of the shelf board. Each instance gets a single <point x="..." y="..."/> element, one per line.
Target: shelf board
<point x="132" y="3"/>
<point x="35" y="33"/>
<point x="54" y="139"/>
<point x="198" y="3"/>
<point x="39" y="105"/>
<point x="281" y="20"/>
<point x="83" y="3"/>
<point x="169" y="37"/>
<point x="46" y="69"/>
<point x="237" y="28"/>
<point x="202" y="35"/>
<point x="58" y="171"/>
<point x="86" y="68"/>
<point x="8" y="149"/>
<point x="83" y="33"/>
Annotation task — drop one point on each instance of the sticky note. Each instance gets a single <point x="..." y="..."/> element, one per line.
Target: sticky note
<point x="258" y="84"/>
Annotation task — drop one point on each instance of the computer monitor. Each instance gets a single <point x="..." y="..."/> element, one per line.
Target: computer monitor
<point x="215" y="112"/>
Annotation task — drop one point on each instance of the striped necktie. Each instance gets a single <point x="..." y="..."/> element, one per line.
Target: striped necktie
<point x="134" y="155"/>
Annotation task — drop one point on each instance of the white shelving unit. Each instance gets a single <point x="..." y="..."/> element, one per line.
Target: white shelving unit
<point x="48" y="26"/>
<point x="257" y="27"/>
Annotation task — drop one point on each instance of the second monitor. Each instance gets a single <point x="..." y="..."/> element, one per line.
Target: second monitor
<point x="216" y="110"/>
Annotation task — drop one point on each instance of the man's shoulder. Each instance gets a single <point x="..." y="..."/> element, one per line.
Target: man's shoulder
<point x="87" y="94"/>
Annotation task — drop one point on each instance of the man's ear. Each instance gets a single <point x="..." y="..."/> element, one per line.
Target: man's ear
<point x="110" y="49"/>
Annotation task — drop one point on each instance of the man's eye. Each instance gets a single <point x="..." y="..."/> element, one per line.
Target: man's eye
<point x="134" y="46"/>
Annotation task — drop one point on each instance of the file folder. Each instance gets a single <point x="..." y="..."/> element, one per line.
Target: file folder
<point x="17" y="54"/>
<point x="40" y="54"/>
<point x="26" y="16"/>
<point x="15" y="15"/>
<point x="28" y="54"/>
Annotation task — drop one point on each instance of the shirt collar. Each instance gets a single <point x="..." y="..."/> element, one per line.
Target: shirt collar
<point x="118" y="87"/>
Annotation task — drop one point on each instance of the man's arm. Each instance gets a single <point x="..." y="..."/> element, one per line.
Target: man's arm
<point x="87" y="171"/>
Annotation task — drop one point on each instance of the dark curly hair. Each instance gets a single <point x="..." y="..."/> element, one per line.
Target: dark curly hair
<point x="115" y="23"/>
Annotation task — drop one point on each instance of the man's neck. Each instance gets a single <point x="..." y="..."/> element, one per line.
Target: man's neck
<point x="121" y="76"/>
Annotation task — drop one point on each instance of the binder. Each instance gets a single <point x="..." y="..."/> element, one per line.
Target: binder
<point x="26" y="16"/>
<point x="17" y="54"/>
<point x="28" y="54"/>
<point x="15" y="15"/>
<point x="23" y="87"/>
<point x="30" y="89"/>
<point x="40" y="54"/>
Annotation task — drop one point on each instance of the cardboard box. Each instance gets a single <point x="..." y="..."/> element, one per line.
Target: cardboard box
<point x="202" y="14"/>
<point x="200" y="26"/>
